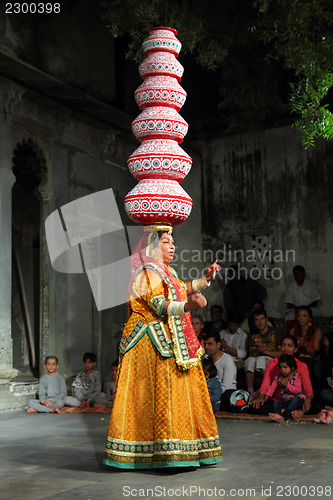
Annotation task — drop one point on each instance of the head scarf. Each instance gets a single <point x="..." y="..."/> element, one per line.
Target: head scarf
<point x="144" y="252"/>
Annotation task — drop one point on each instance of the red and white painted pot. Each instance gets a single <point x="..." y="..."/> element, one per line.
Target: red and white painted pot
<point x="158" y="201"/>
<point x="160" y="158"/>
<point x="160" y="91"/>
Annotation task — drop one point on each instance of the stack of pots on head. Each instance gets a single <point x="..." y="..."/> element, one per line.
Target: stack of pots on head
<point x="159" y="163"/>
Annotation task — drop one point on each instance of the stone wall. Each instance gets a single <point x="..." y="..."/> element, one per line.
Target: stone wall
<point x="265" y="194"/>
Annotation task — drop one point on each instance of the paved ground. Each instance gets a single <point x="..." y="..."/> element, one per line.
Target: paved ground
<point x="50" y="456"/>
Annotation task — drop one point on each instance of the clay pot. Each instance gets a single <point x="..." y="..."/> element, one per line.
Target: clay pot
<point x="160" y="158"/>
<point x="158" y="201"/>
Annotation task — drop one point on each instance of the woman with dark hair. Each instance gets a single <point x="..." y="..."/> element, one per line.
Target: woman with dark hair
<point x="260" y="404"/>
<point x="308" y="336"/>
<point x="162" y="415"/>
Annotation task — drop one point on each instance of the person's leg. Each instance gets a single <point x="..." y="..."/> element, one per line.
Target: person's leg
<point x="262" y="362"/>
<point x="225" y="400"/>
<point x="57" y="404"/>
<point x="71" y="401"/>
<point x="100" y="400"/>
<point x="276" y="415"/>
<point x="250" y="364"/>
<point x="278" y="407"/>
<point x="264" y="409"/>
<point x="293" y="404"/>
<point x="35" y="406"/>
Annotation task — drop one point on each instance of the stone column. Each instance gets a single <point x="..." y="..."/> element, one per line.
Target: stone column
<point x="6" y="182"/>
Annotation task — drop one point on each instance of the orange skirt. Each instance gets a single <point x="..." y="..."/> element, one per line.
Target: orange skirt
<point x="162" y="415"/>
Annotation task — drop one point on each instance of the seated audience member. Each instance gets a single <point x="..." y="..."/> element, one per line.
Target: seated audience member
<point x="198" y="324"/>
<point x="217" y="322"/>
<point x="248" y="324"/>
<point x="240" y="292"/>
<point x="261" y="404"/>
<point x="323" y="368"/>
<point x="87" y="386"/>
<point x="233" y="339"/>
<point x="52" y="389"/>
<point x="261" y="347"/>
<point x="225" y="365"/>
<point x="301" y="292"/>
<point x="110" y="387"/>
<point x="213" y="383"/>
<point x="287" y="385"/>
<point x="307" y="335"/>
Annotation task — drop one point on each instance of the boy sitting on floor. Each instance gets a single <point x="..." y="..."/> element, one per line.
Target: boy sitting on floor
<point x="87" y="386"/>
<point x="52" y="390"/>
<point x="110" y="386"/>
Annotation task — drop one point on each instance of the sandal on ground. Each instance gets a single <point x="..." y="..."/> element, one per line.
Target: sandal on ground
<point x="318" y="419"/>
<point x="324" y="417"/>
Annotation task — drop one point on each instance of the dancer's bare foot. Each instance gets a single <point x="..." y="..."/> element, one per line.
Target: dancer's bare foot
<point x="30" y="410"/>
<point x="54" y="410"/>
<point x="297" y="414"/>
<point x="275" y="417"/>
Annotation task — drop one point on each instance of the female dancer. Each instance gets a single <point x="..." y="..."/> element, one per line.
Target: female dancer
<point x="162" y="415"/>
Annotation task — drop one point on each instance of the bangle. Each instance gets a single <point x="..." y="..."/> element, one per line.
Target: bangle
<point x="176" y="308"/>
<point x="200" y="284"/>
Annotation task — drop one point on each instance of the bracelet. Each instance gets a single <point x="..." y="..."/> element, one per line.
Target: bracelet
<point x="176" y="308"/>
<point x="200" y="284"/>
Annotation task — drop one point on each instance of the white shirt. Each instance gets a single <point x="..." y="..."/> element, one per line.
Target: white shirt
<point x="236" y="341"/>
<point x="301" y="296"/>
<point x="226" y="372"/>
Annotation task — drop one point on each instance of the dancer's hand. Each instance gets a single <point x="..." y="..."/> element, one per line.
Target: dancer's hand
<point x="212" y="270"/>
<point x="195" y="301"/>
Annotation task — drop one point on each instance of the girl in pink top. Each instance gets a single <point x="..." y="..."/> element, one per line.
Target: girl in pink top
<point x="261" y="404"/>
<point x="289" y="386"/>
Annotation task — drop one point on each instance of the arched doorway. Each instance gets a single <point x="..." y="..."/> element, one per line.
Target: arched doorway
<point x="29" y="169"/>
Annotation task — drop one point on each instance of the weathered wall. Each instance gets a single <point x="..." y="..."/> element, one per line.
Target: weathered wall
<point x="72" y="46"/>
<point x="264" y="192"/>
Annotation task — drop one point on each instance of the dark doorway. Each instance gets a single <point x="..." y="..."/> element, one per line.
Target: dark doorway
<point x="28" y="169"/>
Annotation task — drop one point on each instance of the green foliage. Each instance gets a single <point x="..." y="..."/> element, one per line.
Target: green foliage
<point x="251" y="45"/>
<point x="300" y="35"/>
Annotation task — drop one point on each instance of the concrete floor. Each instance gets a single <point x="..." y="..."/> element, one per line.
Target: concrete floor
<point x="50" y="456"/>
